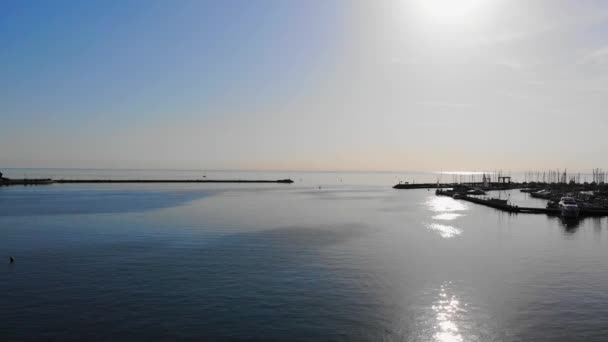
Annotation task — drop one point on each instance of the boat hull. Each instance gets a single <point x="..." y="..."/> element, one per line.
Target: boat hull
<point x="570" y="212"/>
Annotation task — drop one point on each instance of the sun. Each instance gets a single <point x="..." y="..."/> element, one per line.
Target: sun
<point x="449" y="11"/>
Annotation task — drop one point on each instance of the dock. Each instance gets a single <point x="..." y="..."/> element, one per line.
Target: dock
<point x="520" y="210"/>
<point x="47" y="181"/>
<point x="509" y="207"/>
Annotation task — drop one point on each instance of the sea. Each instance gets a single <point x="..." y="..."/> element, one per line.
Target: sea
<point x="334" y="256"/>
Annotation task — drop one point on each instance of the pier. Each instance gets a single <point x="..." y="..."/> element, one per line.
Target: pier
<point x="504" y="206"/>
<point x="500" y="205"/>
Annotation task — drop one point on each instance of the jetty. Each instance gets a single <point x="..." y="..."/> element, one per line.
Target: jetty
<point x="501" y="185"/>
<point x="423" y="186"/>
<point x="25" y="181"/>
<point x="95" y="181"/>
<point x="47" y="181"/>
<point x="498" y="204"/>
<point x="503" y="205"/>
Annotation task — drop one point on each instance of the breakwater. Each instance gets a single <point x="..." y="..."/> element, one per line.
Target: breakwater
<point x="25" y="181"/>
<point x="423" y="186"/>
<point x="46" y="181"/>
<point x="487" y="186"/>
<point x="80" y="181"/>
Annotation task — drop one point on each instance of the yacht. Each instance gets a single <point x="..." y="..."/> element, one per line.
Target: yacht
<point x="568" y="207"/>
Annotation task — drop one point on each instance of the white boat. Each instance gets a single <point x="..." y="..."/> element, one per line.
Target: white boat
<point x="568" y="207"/>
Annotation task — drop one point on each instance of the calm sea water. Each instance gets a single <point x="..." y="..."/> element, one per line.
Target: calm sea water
<point x="351" y="260"/>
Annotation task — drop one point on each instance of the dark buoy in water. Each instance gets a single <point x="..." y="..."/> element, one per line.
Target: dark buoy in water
<point x="11" y="260"/>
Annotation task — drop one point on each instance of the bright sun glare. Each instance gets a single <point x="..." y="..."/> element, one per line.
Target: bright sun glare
<point x="449" y="11"/>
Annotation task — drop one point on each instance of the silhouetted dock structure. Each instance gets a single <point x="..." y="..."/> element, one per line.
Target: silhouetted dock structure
<point x="504" y="206"/>
<point x="423" y="186"/>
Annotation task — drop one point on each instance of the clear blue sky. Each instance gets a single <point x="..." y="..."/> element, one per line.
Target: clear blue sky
<point x="310" y="84"/>
<point x="130" y="60"/>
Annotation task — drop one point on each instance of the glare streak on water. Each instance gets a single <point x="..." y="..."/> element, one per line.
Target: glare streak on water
<point x="445" y="209"/>
<point x="445" y="204"/>
<point x="446" y="216"/>
<point x="444" y="230"/>
<point x="447" y="309"/>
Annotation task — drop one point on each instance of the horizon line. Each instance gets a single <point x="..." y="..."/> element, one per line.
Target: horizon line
<point x="444" y="172"/>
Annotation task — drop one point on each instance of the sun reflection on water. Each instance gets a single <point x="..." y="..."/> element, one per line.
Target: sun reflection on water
<point x="444" y="230"/>
<point x="445" y="204"/>
<point x="447" y="216"/>
<point x="447" y="311"/>
<point x="447" y="210"/>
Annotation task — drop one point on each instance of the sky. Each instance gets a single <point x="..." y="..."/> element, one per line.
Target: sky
<point x="304" y="84"/>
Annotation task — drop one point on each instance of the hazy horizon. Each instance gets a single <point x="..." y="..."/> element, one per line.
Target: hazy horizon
<point x="518" y="175"/>
<point x="304" y="85"/>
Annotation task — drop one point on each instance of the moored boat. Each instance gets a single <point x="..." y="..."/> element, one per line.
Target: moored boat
<point x="498" y="201"/>
<point x="476" y="191"/>
<point x="568" y="207"/>
<point x="546" y="194"/>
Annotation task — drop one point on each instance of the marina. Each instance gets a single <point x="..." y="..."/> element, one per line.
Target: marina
<point x="569" y="196"/>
